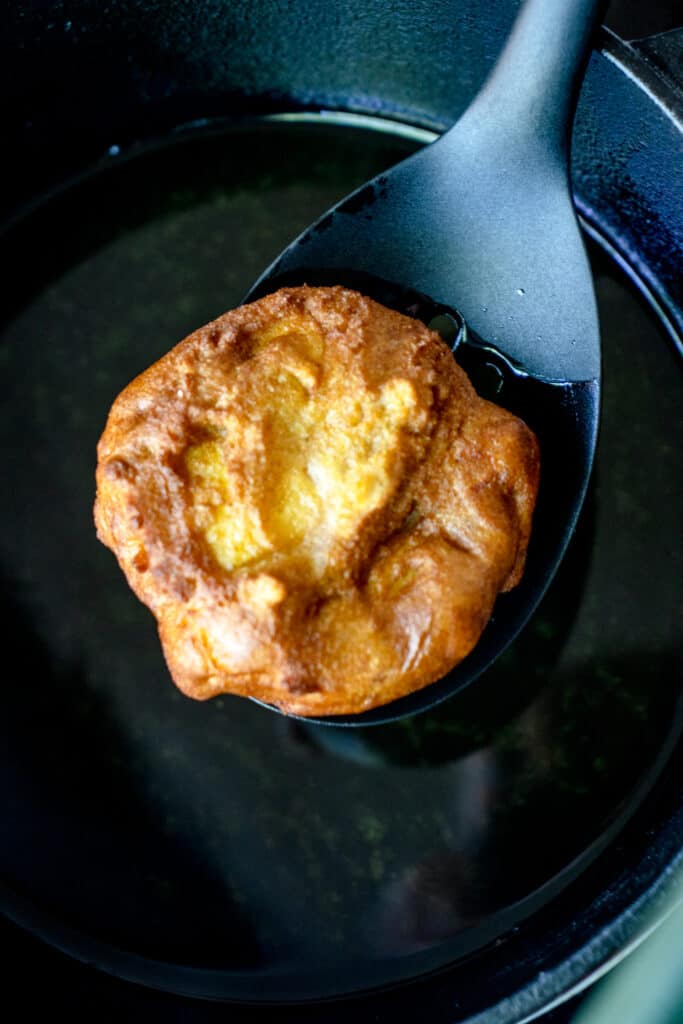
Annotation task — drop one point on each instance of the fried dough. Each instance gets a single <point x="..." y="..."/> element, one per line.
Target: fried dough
<point x="314" y="502"/>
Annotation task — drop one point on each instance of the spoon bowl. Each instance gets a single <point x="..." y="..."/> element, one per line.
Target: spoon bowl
<point x="481" y="225"/>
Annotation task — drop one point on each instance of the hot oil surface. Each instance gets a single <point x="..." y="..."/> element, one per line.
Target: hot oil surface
<point x="221" y="835"/>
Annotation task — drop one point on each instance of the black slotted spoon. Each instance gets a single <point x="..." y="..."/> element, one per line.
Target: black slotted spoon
<point x="482" y="222"/>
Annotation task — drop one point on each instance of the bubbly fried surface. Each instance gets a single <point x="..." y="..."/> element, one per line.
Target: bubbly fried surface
<point x="314" y="503"/>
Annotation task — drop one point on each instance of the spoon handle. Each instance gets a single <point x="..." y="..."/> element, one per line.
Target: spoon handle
<point x="534" y="84"/>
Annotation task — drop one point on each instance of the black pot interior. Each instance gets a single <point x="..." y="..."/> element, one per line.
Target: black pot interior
<point x="216" y="849"/>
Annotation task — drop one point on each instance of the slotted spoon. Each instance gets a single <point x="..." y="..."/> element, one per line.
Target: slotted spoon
<point x="482" y="222"/>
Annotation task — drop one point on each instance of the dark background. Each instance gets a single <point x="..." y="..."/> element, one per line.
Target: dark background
<point x="38" y="978"/>
<point x="632" y="19"/>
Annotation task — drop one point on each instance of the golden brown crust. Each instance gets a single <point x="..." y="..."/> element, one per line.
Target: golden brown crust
<point x="314" y="503"/>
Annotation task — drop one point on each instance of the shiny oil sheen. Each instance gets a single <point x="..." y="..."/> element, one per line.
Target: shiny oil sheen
<point x="215" y="848"/>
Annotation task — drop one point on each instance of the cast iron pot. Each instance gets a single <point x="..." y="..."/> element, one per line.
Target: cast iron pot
<point x="93" y="94"/>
